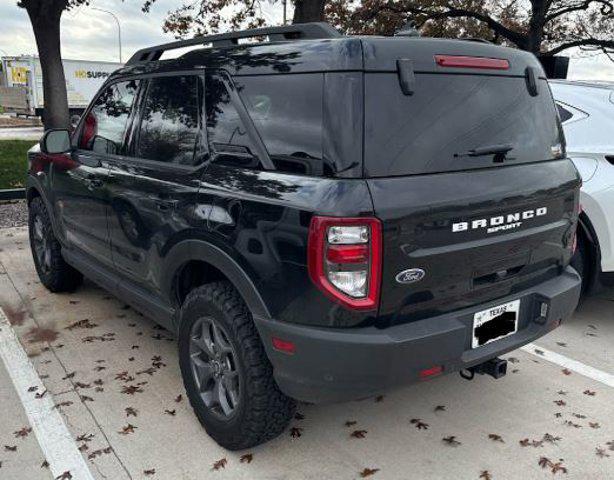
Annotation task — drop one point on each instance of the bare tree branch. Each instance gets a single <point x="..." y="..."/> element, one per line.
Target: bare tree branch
<point x="585" y="42"/>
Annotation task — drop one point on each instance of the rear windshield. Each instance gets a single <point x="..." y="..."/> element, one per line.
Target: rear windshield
<point x="448" y="116"/>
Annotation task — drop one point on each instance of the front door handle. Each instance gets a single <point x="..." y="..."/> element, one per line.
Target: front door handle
<point x="96" y="183"/>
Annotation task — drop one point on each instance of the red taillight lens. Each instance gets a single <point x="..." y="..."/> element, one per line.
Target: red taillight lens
<point x="460" y="61"/>
<point x="344" y="259"/>
<point x="347" y="253"/>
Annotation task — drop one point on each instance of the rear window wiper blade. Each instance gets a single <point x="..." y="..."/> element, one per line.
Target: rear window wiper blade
<point x="499" y="150"/>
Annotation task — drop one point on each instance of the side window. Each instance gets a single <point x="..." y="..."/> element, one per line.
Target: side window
<point x="169" y="129"/>
<point x="563" y="113"/>
<point x="229" y="140"/>
<point x="105" y="125"/>
<point x="287" y="112"/>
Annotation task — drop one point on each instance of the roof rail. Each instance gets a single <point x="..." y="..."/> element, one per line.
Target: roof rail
<point x="303" y="31"/>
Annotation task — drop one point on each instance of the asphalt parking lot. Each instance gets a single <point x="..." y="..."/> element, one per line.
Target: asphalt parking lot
<point x="105" y="385"/>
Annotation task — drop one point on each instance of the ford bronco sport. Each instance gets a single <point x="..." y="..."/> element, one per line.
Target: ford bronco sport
<point x="317" y="217"/>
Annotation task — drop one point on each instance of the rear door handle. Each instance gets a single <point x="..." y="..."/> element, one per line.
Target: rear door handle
<point x="96" y="183"/>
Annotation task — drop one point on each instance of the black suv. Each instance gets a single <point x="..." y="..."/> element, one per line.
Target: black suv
<point x="318" y="217"/>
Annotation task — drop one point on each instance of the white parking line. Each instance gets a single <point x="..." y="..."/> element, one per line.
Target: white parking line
<point x="570" y="364"/>
<point x="56" y="442"/>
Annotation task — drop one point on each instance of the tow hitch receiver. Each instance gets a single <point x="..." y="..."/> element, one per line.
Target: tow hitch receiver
<point x="495" y="367"/>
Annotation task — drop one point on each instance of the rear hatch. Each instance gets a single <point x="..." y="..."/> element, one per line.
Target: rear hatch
<point x="464" y="156"/>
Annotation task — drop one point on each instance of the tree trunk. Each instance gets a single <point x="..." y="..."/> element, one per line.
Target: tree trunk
<point x="46" y="26"/>
<point x="308" y="11"/>
<point x="535" y="35"/>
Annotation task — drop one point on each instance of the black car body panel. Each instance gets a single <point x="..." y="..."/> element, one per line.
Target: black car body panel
<point x="224" y="177"/>
<point x="469" y="267"/>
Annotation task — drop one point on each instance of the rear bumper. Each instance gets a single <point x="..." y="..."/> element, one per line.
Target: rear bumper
<point x="332" y="365"/>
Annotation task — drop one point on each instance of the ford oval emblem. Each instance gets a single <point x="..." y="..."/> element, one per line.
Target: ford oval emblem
<point x="411" y="275"/>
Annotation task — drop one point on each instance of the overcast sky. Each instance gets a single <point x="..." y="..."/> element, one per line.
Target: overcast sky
<point x="91" y="34"/>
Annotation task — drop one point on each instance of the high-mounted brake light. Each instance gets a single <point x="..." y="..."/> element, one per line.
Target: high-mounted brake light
<point x="461" y="61"/>
<point x="344" y="259"/>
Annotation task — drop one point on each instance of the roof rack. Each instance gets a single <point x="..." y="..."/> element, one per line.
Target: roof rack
<point x="303" y="31"/>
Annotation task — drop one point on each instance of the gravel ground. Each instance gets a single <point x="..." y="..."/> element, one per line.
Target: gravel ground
<point x="13" y="214"/>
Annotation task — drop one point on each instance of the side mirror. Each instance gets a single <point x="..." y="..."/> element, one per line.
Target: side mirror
<point x="55" y="141"/>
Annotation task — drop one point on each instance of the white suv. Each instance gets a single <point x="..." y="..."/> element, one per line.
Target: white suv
<point x="587" y="113"/>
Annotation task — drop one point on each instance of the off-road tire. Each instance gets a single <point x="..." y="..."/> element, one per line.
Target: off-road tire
<point x="263" y="411"/>
<point x="59" y="276"/>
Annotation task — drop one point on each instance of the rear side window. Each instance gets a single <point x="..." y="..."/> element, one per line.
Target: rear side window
<point x="435" y="129"/>
<point x="169" y="128"/>
<point x="104" y="126"/>
<point x="287" y="112"/>
<point x="228" y="136"/>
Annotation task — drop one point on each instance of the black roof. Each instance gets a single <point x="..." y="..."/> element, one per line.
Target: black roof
<point x="323" y="51"/>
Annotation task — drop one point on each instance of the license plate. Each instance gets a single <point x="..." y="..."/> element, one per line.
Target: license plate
<point x="495" y="323"/>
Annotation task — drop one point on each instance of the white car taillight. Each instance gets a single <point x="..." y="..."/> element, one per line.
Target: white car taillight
<point x="345" y="259"/>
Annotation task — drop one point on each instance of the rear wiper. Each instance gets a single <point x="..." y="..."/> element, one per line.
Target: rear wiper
<point x="499" y="151"/>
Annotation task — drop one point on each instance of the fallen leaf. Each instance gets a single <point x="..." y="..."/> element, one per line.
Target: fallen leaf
<point x="10" y="448"/>
<point x="594" y="425"/>
<point x="65" y="476"/>
<point x="560" y="403"/>
<point x="86" y="437"/>
<point x="419" y="424"/>
<point x="85" y="323"/>
<point x="247" y="458"/>
<point x="601" y="453"/>
<point x="496" y="438"/>
<point x="221" y="463"/>
<point x="66" y="403"/>
<point x="350" y="423"/>
<point x="170" y="412"/>
<point x="440" y="408"/>
<point x="299" y="416"/>
<point x="178" y="398"/>
<point x="485" y="475"/>
<point x="358" y="434"/>
<point x="45" y="464"/>
<point x="566" y="371"/>
<point x="23" y="432"/>
<point x="533" y="443"/>
<point x="550" y="438"/>
<point x="590" y="393"/>
<point x="558" y="467"/>
<point x="379" y="398"/>
<point x="296" y="432"/>
<point x="127" y="429"/>
<point x="561" y="344"/>
<point x="131" y="412"/>
<point x="367" y="472"/>
<point x="131" y="389"/>
<point x="451" y="440"/>
<point x="150" y="472"/>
